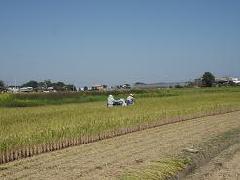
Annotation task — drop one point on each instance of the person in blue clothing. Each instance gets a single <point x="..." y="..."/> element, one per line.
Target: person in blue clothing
<point x="130" y="99"/>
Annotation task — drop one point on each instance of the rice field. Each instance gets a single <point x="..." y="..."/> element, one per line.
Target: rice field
<point x="43" y="99"/>
<point x="127" y="155"/>
<point x="46" y="123"/>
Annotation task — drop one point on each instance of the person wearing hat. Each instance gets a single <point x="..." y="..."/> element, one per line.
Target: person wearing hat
<point x="130" y="99"/>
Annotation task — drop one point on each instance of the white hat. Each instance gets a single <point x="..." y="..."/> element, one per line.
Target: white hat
<point x="131" y="95"/>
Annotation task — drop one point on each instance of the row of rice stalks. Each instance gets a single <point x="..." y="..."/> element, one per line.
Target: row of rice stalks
<point x="28" y="151"/>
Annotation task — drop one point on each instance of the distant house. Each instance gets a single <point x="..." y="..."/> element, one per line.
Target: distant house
<point x="227" y="80"/>
<point x="122" y="86"/>
<point x="235" y="80"/>
<point x="222" y="80"/>
<point x="13" y="89"/>
<point x="126" y="86"/>
<point x="49" y="89"/>
<point x="99" y="87"/>
<point x="26" y="89"/>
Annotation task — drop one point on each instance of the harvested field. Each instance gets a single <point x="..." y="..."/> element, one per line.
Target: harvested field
<point x="225" y="166"/>
<point x="109" y="159"/>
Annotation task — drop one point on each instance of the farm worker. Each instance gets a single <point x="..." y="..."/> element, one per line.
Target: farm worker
<point x="110" y="101"/>
<point x="130" y="99"/>
<point x="122" y="101"/>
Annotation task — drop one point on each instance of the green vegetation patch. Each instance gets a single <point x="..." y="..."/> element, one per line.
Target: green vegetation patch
<point x="59" y="98"/>
<point x="41" y="99"/>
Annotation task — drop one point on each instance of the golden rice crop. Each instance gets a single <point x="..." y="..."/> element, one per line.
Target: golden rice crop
<point x="44" y="124"/>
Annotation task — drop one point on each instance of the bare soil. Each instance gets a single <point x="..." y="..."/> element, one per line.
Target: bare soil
<point x="109" y="159"/>
<point x="225" y="166"/>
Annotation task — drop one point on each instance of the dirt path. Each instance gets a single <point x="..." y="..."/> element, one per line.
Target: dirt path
<point x="110" y="158"/>
<point x="225" y="166"/>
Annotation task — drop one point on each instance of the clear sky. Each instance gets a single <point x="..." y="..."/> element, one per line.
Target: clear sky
<point x="115" y="41"/>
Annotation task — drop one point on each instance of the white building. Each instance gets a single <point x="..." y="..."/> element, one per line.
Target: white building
<point x="26" y="89"/>
<point x="235" y="80"/>
<point x="13" y="89"/>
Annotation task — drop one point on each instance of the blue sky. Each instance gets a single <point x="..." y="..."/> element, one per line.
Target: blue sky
<point x="118" y="41"/>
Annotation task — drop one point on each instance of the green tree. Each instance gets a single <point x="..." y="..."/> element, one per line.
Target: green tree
<point x="48" y="83"/>
<point x="59" y="86"/>
<point x="178" y="86"/>
<point x="208" y="79"/>
<point x="71" y="87"/>
<point x="85" y="88"/>
<point x="2" y="85"/>
<point x="33" y="84"/>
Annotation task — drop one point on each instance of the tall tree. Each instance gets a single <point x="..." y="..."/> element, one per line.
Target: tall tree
<point x="48" y="83"/>
<point x="59" y="86"/>
<point x="2" y="85"/>
<point x="71" y="87"/>
<point x="208" y="79"/>
<point x="33" y="84"/>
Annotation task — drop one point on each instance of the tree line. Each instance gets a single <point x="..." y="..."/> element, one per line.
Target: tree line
<point x="44" y="85"/>
<point x="207" y="80"/>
